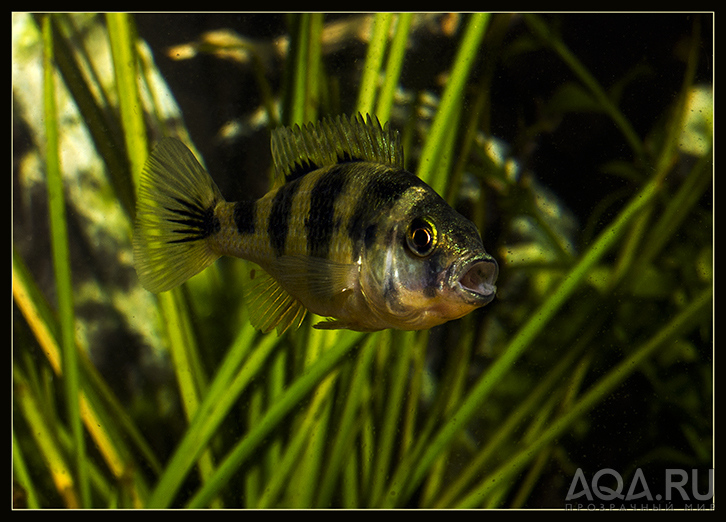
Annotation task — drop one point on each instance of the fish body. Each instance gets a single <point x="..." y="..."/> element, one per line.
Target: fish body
<point x="346" y="233"/>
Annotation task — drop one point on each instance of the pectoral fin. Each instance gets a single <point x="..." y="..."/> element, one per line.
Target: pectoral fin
<point x="316" y="281"/>
<point x="270" y="306"/>
<point x="297" y="283"/>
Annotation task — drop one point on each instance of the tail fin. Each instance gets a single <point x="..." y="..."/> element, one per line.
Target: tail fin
<point x="175" y="216"/>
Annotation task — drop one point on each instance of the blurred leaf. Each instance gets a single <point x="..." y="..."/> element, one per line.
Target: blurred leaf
<point x="573" y="97"/>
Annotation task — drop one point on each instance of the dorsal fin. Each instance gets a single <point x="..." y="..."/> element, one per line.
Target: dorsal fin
<point x="298" y="150"/>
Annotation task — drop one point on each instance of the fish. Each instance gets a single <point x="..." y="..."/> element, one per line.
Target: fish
<point x="345" y="232"/>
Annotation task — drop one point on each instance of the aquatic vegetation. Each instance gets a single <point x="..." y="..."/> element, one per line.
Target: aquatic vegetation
<point x="596" y="353"/>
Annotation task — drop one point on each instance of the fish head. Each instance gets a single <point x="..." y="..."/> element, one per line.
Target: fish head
<point x="428" y="266"/>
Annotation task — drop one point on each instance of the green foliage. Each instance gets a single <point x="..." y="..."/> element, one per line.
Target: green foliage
<point x="482" y="412"/>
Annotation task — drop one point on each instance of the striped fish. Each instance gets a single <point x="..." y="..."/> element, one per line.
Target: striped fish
<point x="345" y="232"/>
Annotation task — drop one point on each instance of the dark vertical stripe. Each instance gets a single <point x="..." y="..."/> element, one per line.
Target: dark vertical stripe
<point x="369" y="237"/>
<point x="279" y="221"/>
<point x="321" y="222"/>
<point x="244" y="216"/>
<point x="379" y="194"/>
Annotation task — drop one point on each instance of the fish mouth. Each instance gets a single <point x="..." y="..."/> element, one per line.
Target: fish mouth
<point x="477" y="279"/>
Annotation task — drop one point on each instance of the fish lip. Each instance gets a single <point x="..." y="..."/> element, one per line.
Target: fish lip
<point x="475" y="278"/>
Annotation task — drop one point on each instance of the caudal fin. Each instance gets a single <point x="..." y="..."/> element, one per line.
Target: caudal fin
<point x="175" y="216"/>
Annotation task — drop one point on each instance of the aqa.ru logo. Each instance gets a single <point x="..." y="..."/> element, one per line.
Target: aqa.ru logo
<point x="675" y="479"/>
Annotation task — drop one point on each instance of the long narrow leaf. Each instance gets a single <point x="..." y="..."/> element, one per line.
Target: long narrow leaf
<point x="60" y="472"/>
<point x="123" y="46"/>
<point x="61" y="264"/>
<point x="372" y="65"/>
<point x="450" y="100"/>
<point x="394" y="65"/>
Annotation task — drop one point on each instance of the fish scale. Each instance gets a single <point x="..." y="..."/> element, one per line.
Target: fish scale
<point x="345" y="232"/>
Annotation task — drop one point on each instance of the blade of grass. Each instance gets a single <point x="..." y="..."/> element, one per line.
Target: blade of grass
<point x="350" y="497"/>
<point x="679" y="207"/>
<point x="122" y="36"/>
<point x="60" y="472"/>
<point x="275" y="386"/>
<point x="292" y="396"/>
<point x="390" y="423"/>
<point x="181" y="346"/>
<point x="450" y="102"/>
<point x="313" y="67"/>
<point x="99" y="482"/>
<point x="190" y="379"/>
<point x="292" y="451"/>
<point x="296" y="113"/>
<point x="99" y="119"/>
<point x="343" y="435"/>
<point x="257" y="479"/>
<point x="61" y="265"/>
<point x="530" y="480"/>
<point x="562" y="397"/>
<point x="21" y="475"/>
<point x="372" y="65"/>
<point x="416" y="387"/>
<point x="394" y="65"/>
<point x="678" y="326"/>
<point x="303" y="69"/>
<point x="254" y="479"/>
<point x="367" y="445"/>
<point x="316" y="419"/>
<point x="452" y="393"/>
<point x="312" y="433"/>
<point x="37" y="312"/>
<point x="472" y="128"/>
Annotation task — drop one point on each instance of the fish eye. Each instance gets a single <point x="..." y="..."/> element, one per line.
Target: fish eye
<point x="421" y="237"/>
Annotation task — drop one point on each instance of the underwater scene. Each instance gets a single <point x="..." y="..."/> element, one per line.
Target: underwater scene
<point x="362" y="260"/>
